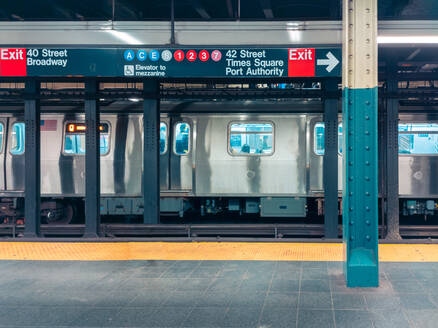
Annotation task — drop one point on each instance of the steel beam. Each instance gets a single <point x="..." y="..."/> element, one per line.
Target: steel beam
<point x="360" y="161"/>
<point x="32" y="166"/>
<point x="330" y="166"/>
<point x="391" y="132"/>
<point x="151" y="152"/>
<point x="92" y="160"/>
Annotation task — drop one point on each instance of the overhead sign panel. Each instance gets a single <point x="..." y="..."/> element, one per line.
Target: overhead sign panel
<point x="184" y="62"/>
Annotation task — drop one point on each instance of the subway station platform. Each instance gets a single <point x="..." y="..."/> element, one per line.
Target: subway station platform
<point x="211" y="285"/>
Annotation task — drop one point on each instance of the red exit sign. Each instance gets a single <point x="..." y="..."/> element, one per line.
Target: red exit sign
<point x="13" y="62"/>
<point x="301" y="62"/>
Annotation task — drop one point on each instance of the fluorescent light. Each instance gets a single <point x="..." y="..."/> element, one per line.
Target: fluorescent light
<point x="408" y="39"/>
<point x="134" y="99"/>
<point x="125" y="37"/>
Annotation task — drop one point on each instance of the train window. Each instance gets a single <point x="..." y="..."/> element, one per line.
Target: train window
<point x="1" y="137"/>
<point x="182" y="138"/>
<point x="251" y="139"/>
<point x="418" y="138"/>
<point x="418" y="144"/>
<point x="17" y="140"/>
<point x="74" y="141"/>
<point x="163" y="138"/>
<point x="318" y="137"/>
<point x="417" y="127"/>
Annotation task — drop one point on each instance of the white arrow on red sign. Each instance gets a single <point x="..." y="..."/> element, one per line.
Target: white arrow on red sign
<point x="331" y="62"/>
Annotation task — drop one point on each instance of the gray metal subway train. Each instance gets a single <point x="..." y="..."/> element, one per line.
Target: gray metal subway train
<point x="259" y="158"/>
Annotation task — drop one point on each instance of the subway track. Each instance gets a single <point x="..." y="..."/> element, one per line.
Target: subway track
<point x="200" y="231"/>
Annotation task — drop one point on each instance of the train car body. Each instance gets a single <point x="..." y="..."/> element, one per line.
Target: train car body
<point x="258" y="158"/>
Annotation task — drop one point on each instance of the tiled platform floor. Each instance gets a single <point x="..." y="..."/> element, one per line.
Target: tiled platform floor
<point x="213" y="294"/>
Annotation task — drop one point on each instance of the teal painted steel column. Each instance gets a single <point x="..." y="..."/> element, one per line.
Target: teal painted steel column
<point x="359" y="82"/>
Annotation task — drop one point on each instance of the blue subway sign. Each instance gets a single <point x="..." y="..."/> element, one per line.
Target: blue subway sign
<point x="174" y="63"/>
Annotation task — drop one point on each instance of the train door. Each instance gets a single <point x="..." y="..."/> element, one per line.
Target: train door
<point x="181" y="152"/>
<point x="14" y="154"/>
<point x="165" y="150"/>
<point x="3" y="126"/>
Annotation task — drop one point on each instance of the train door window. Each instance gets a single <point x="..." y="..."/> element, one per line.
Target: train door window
<point x="74" y="141"/>
<point x="318" y="138"/>
<point x="17" y="140"/>
<point x="163" y="138"/>
<point x="182" y="138"/>
<point x="1" y="137"/>
<point x="418" y="138"/>
<point x="251" y="138"/>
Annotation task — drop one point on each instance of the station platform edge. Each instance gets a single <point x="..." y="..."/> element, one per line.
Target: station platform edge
<point x="204" y="251"/>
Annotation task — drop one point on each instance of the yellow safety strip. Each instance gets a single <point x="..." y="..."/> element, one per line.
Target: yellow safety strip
<point x="230" y="251"/>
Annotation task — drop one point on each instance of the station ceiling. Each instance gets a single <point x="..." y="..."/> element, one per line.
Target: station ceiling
<point x="206" y="10"/>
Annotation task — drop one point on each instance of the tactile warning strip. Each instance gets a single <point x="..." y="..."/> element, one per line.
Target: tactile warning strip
<point x="230" y="251"/>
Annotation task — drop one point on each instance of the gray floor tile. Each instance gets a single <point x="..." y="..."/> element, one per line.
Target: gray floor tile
<point x="38" y="316"/>
<point x="217" y="298"/>
<point x="353" y="319"/>
<point x="390" y="319"/>
<point x="260" y="284"/>
<point x="289" y="265"/>
<point x="79" y="297"/>
<point x="195" y="284"/>
<point x="213" y="294"/>
<point x="281" y="285"/>
<point x="237" y="316"/>
<point x="96" y="317"/>
<point x="148" y="272"/>
<point x="385" y="288"/>
<point x="347" y="301"/>
<point x="21" y="297"/>
<point x="248" y="298"/>
<point x="396" y="274"/>
<point x="205" y="272"/>
<point x="318" y="300"/>
<point x="287" y="274"/>
<point x="210" y="264"/>
<point x="220" y="284"/>
<point x="416" y="302"/>
<point x="230" y="273"/>
<point x="185" y="298"/>
<point x="407" y="286"/>
<point x="206" y="317"/>
<point x="311" y="273"/>
<point x="423" y="318"/>
<point x="379" y="302"/>
<point x="434" y="298"/>
<point x="177" y="272"/>
<point x="277" y="317"/>
<point x="278" y="299"/>
<point x="425" y="273"/>
<point x="314" y="265"/>
<point x="430" y="285"/>
<point x="315" y="285"/>
<point x="116" y="298"/>
<point x="315" y="319"/>
<point x="148" y="283"/>
<point x="168" y="317"/>
<point x="149" y="298"/>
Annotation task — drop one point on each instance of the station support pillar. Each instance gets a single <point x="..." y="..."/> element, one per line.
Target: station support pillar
<point x="151" y="152"/>
<point x="360" y="161"/>
<point x="391" y="133"/>
<point x="92" y="160"/>
<point x="330" y="166"/>
<point x="32" y="177"/>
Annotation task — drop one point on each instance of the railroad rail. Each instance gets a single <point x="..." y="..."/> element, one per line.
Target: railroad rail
<point x="194" y="231"/>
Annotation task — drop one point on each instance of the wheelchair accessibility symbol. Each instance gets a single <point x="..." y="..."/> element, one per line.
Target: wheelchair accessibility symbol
<point x="129" y="70"/>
